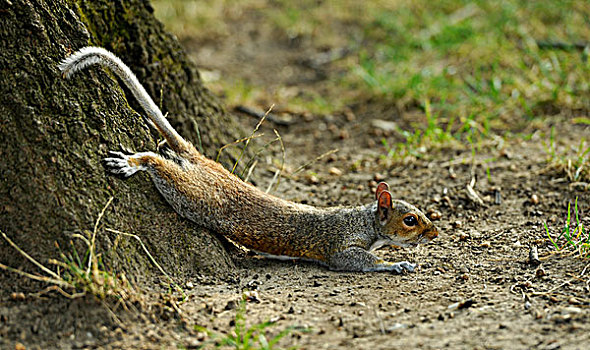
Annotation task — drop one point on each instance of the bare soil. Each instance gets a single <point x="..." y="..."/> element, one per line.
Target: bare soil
<point x="476" y="286"/>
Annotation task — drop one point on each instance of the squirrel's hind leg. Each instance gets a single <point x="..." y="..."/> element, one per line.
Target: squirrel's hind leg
<point x="126" y="165"/>
<point x="359" y="259"/>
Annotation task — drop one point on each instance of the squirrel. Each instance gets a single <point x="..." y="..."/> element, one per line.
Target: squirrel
<point x="205" y="193"/>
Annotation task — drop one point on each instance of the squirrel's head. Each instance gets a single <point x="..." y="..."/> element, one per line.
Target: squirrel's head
<point x="401" y="223"/>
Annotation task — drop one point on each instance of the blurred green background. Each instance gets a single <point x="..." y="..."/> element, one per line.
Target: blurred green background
<point x="462" y="70"/>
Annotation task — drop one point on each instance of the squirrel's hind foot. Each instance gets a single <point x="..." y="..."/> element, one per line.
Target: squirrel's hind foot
<point x="121" y="164"/>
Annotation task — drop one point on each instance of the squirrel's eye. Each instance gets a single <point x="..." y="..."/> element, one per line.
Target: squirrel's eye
<point x="410" y="220"/>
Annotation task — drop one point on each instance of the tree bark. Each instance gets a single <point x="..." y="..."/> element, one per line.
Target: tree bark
<point x="54" y="133"/>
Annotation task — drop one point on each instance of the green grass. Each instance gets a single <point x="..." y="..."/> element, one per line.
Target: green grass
<point x="574" y="236"/>
<point x="242" y="337"/>
<point x="482" y="67"/>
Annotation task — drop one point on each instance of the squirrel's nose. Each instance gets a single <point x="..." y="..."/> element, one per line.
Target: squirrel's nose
<point x="432" y="233"/>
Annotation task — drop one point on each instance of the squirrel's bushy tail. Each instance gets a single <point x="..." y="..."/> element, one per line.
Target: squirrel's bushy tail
<point x="90" y="55"/>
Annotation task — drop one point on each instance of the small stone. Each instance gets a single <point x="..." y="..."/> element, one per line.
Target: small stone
<point x="463" y="237"/>
<point x="457" y="224"/>
<point x="119" y="333"/>
<point x="17" y="296"/>
<point x="349" y="114"/>
<point x="252" y="296"/>
<point x="312" y="179"/>
<point x="534" y="256"/>
<point x="152" y="335"/>
<point x="534" y="199"/>
<point x="540" y="272"/>
<point x="192" y="343"/>
<point x="19" y="346"/>
<point x="190" y="285"/>
<point x="573" y="301"/>
<point x="395" y="327"/>
<point x="383" y="125"/>
<point x="571" y="310"/>
<point x="335" y="171"/>
<point x="486" y="244"/>
<point x="434" y="214"/>
<point x="378" y="177"/>
<point x="230" y="305"/>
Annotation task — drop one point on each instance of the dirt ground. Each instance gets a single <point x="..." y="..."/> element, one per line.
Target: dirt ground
<point x="475" y="287"/>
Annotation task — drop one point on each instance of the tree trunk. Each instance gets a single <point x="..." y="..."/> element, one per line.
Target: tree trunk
<point x="54" y="133"/>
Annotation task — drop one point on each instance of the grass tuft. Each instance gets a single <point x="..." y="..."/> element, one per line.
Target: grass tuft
<point x="242" y="337"/>
<point x="573" y="236"/>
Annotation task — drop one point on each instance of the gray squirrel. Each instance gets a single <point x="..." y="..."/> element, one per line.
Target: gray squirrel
<point x="205" y="193"/>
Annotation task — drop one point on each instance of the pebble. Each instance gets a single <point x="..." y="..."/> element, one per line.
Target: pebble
<point x="17" y="296"/>
<point x="434" y="214"/>
<point x="486" y="244"/>
<point x="252" y="296"/>
<point x="571" y="310"/>
<point x="383" y="125"/>
<point x="335" y="171"/>
<point x="534" y="199"/>
<point x="378" y="177"/>
<point x="152" y="335"/>
<point x="457" y="224"/>
<point x="19" y="346"/>
<point x="465" y="304"/>
<point x="230" y="305"/>
<point x="540" y="272"/>
<point x="190" y="285"/>
<point x="395" y="327"/>
<point x="573" y="300"/>
<point x="312" y="179"/>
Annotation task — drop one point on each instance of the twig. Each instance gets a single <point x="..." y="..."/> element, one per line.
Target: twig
<point x="60" y="291"/>
<point x="472" y="194"/>
<point x="46" y="279"/>
<point x="250" y="170"/>
<point x="255" y="156"/>
<point x="270" y="117"/>
<point x="248" y="140"/>
<point x="561" y="45"/>
<point x="235" y="143"/>
<point x="92" y="258"/>
<point x="150" y="257"/>
<point x="277" y="176"/>
<point x="320" y="157"/>
<point x="23" y="253"/>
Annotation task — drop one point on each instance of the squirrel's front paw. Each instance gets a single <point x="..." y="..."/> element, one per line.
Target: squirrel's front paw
<point x="401" y="266"/>
<point x="118" y="164"/>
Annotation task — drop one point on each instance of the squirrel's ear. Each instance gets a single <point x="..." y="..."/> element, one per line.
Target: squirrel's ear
<point x="383" y="186"/>
<point x="384" y="206"/>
